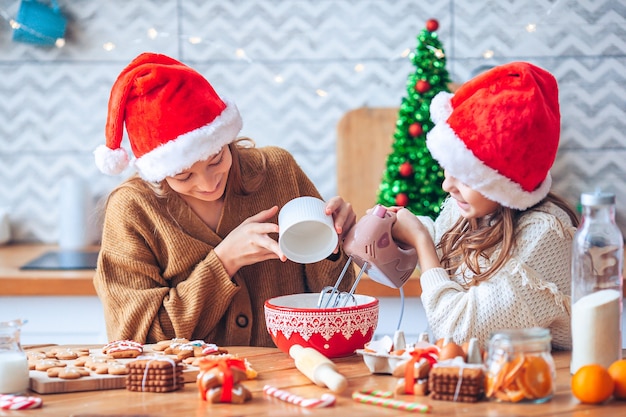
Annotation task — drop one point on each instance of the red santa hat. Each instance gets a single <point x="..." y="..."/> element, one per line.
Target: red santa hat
<point x="173" y="118"/>
<point x="499" y="133"/>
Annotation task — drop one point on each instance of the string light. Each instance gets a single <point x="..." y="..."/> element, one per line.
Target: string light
<point x="153" y="33"/>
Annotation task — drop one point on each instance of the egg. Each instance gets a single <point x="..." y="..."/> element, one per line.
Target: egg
<point x="450" y="351"/>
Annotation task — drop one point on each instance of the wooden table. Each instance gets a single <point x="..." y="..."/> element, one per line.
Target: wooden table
<point x="277" y="369"/>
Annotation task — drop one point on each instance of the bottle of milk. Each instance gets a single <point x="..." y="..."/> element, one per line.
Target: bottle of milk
<point x="597" y="260"/>
<point x="14" y="374"/>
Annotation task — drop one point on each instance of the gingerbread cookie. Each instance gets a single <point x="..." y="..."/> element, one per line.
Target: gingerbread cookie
<point x="67" y="372"/>
<point x="206" y="361"/>
<point x="155" y="374"/>
<point x="219" y="381"/>
<point x="164" y="344"/>
<point x="123" y="349"/>
<point x="45" y="364"/>
<point x="195" y="348"/>
<point x="456" y="381"/>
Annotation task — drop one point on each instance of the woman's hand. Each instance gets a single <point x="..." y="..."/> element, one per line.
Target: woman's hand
<point x="343" y="214"/>
<point x="250" y="242"/>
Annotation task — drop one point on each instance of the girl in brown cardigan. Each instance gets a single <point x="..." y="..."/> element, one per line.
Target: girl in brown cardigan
<point x="189" y="244"/>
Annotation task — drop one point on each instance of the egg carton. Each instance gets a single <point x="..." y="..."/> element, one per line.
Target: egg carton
<point x="382" y="363"/>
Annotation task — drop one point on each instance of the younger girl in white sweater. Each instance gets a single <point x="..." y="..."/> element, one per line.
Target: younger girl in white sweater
<point x="498" y="255"/>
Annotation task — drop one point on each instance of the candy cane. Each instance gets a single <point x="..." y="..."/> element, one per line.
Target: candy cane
<point x="326" y="400"/>
<point x="384" y="399"/>
<point x="18" y="402"/>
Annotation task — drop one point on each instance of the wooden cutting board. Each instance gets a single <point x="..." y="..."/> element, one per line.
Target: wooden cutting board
<point x="41" y="383"/>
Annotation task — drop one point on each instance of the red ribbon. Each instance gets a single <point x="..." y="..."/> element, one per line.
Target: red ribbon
<point x="225" y="366"/>
<point x="430" y="354"/>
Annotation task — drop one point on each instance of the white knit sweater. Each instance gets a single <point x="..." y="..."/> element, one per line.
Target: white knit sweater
<point x="531" y="290"/>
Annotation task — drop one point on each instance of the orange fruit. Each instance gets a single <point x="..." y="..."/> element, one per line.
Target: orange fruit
<point x="592" y="384"/>
<point x="536" y="377"/>
<point x="617" y="370"/>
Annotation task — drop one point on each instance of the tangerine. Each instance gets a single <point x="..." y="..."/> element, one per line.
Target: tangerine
<point x="592" y="384"/>
<point x="617" y="370"/>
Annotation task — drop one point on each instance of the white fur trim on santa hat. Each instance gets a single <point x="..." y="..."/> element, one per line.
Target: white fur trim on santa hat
<point x="441" y="107"/>
<point x="180" y="153"/>
<point x="453" y="156"/>
<point x="111" y="161"/>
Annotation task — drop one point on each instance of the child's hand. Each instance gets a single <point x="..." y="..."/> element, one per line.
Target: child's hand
<point x="409" y="229"/>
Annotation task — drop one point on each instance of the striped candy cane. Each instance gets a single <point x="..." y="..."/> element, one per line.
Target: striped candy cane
<point x="326" y="400"/>
<point x="19" y="402"/>
<point x="385" y="399"/>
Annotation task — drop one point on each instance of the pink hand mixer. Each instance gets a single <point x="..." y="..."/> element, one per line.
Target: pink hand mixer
<point x="370" y="245"/>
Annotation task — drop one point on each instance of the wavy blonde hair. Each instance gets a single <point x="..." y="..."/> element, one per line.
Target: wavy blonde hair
<point x="470" y="240"/>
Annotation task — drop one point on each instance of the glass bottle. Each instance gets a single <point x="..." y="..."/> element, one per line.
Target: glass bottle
<point x="597" y="261"/>
<point x="520" y="367"/>
<point x="14" y="374"/>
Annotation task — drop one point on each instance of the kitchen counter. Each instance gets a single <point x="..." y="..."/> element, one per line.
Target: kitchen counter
<point x="17" y="282"/>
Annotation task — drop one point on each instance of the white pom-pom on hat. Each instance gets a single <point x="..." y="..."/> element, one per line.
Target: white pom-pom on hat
<point x="111" y="161"/>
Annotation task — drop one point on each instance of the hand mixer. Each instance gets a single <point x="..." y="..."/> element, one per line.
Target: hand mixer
<point x="369" y="244"/>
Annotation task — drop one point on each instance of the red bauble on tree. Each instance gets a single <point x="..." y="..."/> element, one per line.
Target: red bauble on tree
<point x="422" y="86"/>
<point x="402" y="200"/>
<point x="415" y="130"/>
<point x="432" y="25"/>
<point x="406" y="170"/>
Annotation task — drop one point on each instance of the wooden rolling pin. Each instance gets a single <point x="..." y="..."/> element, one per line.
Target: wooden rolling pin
<point x="318" y="368"/>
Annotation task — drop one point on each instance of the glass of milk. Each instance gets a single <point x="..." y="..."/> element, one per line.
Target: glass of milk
<point x="14" y="374"/>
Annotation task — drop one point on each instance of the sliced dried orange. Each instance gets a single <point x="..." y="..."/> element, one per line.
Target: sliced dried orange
<point x="536" y="377"/>
<point x="520" y="382"/>
<point x="490" y="381"/>
<point x="502" y="396"/>
<point x="513" y="369"/>
<point x="515" y="396"/>
<point x="497" y="376"/>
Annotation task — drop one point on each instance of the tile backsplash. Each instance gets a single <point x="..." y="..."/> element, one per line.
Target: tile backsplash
<point x="294" y="67"/>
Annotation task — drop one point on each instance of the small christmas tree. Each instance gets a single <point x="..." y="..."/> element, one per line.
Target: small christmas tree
<point x="413" y="178"/>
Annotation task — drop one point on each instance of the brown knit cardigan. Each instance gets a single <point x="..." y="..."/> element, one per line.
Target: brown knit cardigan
<point x="159" y="278"/>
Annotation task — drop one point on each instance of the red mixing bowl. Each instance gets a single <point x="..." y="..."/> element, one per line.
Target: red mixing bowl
<point x="334" y="332"/>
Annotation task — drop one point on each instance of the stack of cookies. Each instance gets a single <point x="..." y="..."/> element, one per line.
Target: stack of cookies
<point x="456" y="382"/>
<point x="155" y="374"/>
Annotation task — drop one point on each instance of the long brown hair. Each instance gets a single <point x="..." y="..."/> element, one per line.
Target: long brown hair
<point x="470" y="240"/>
